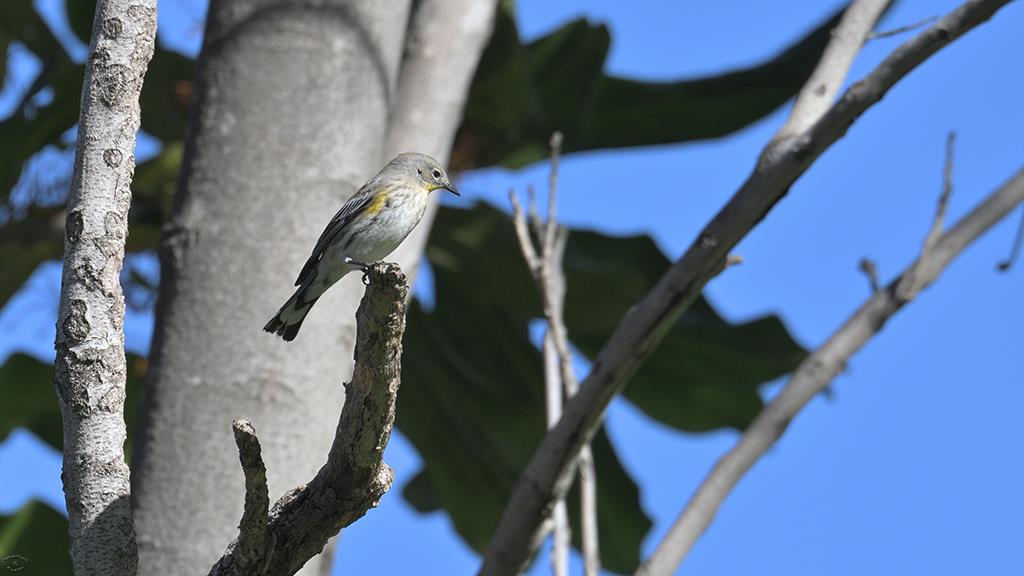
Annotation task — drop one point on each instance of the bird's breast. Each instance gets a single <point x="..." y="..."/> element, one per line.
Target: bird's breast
<point x="396" y="217"/>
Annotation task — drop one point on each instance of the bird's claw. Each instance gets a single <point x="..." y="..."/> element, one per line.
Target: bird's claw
<point x="357" y="263"/>
<point x="364" y="266"/>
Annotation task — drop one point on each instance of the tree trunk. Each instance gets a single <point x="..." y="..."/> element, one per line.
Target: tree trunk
<point x="90" y="363"/>
<point x="291" y="111"/>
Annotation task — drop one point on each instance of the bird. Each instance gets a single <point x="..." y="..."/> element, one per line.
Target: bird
<point x="367" y="228"/>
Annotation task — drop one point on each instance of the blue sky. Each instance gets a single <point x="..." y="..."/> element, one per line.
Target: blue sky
<point x="913" y="465"/>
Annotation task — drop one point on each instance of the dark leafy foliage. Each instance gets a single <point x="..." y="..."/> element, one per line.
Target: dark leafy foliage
<point x="472" y="401"/>
<point x="34" y="540"/>
<point x="524" y="92"/>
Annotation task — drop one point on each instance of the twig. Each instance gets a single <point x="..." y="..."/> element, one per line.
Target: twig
<point x="816" y="372"/>
<point x="545" y="265"/>
<point x="871" y="271"/>
<point x="549" y="472"/>
<point x="533" y="215"/>
<point x="523" y="234"/>
<point x="355" y="477"/>
<point x="1015" y="250"/>
<point x="552" y="222"/>
<point x="907" y="289"/>
<point x="902" y="29"/>
<point x="561" y="532"/>
<point x="553" y="384"/>
<point x="588" y="513"/>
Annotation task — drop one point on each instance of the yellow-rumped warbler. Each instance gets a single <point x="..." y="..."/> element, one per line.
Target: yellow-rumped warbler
<point x="368" y="227"/>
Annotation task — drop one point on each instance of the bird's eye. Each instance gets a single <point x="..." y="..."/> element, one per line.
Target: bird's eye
<point x="436" y="174"/>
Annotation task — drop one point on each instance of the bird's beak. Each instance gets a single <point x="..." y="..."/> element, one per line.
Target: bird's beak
<point x="449" y="187"/>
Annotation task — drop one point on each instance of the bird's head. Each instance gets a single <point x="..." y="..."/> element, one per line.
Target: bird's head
<point x="425" y="170"/>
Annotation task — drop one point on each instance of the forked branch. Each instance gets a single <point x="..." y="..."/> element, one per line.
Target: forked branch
<point x="355" y="476"/>
<point x="545" y="263"/>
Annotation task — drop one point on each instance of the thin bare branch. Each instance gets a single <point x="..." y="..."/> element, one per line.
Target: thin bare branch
<point x="902" y="29"/>
<point x="523" y="234"/>
<point x="818" y="94"/>
<point x="588" y="513"/>
<point x="354" y="478"/>
<point x="906" y="289"/>
<point x="533" y="214"/>
<point x="548" y="475"/>
<point x="561" y="531"/>
<point x="1015" y="251"/>
<point x="871" y="271"/>
<point x="552" y="222"/>
<point x="553" y="385"/>
<point x="815" y="374"/>
<point x="545" y="264"/>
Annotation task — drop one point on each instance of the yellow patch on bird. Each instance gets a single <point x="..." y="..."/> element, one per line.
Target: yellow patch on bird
<point x="377" y="204"/>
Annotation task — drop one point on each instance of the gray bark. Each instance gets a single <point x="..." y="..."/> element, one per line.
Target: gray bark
<point x="290" y="117"/>
<point x="278" y="541"/>
<point x="90" y="362"/>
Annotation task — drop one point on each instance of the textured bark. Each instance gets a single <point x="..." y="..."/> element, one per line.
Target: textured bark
<point x="291" y="111"/>
<point x="90" y="362"/>
<point x="355" y="477"/>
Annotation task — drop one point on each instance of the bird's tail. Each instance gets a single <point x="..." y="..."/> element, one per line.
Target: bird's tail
<point x="288" y="320"/>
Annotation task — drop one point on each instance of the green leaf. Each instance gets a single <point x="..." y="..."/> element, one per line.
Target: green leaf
<point x="19" y="22"/>
<point x="38" y="235"/>
<point x="472" y="393"/>
<point x="32" y="404"/>
<point x="164" y="100"/>
<point x="34" y="540"/>
<point x="28" y="239"/>
<point x="27" y="243"/>
<point x="617" y="496"/>
<point x="27" y="383"/>
<point x="165" y="96"/>
<point x="80" y="16"/>
<point x="29" y="128"/>
<point x="152" y="196"/>
<point x="473" y="407"/>
<point x="523" y="93"/>
<point x="705" y="373"/>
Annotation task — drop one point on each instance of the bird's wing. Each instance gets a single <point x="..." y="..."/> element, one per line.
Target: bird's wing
<point x="352" y="208"/>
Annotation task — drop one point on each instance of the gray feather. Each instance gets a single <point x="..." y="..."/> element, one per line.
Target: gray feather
<point x="335" y="229"/>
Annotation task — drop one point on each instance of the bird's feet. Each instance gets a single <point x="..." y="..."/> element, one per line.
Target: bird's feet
<point x="362" y="265"/>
